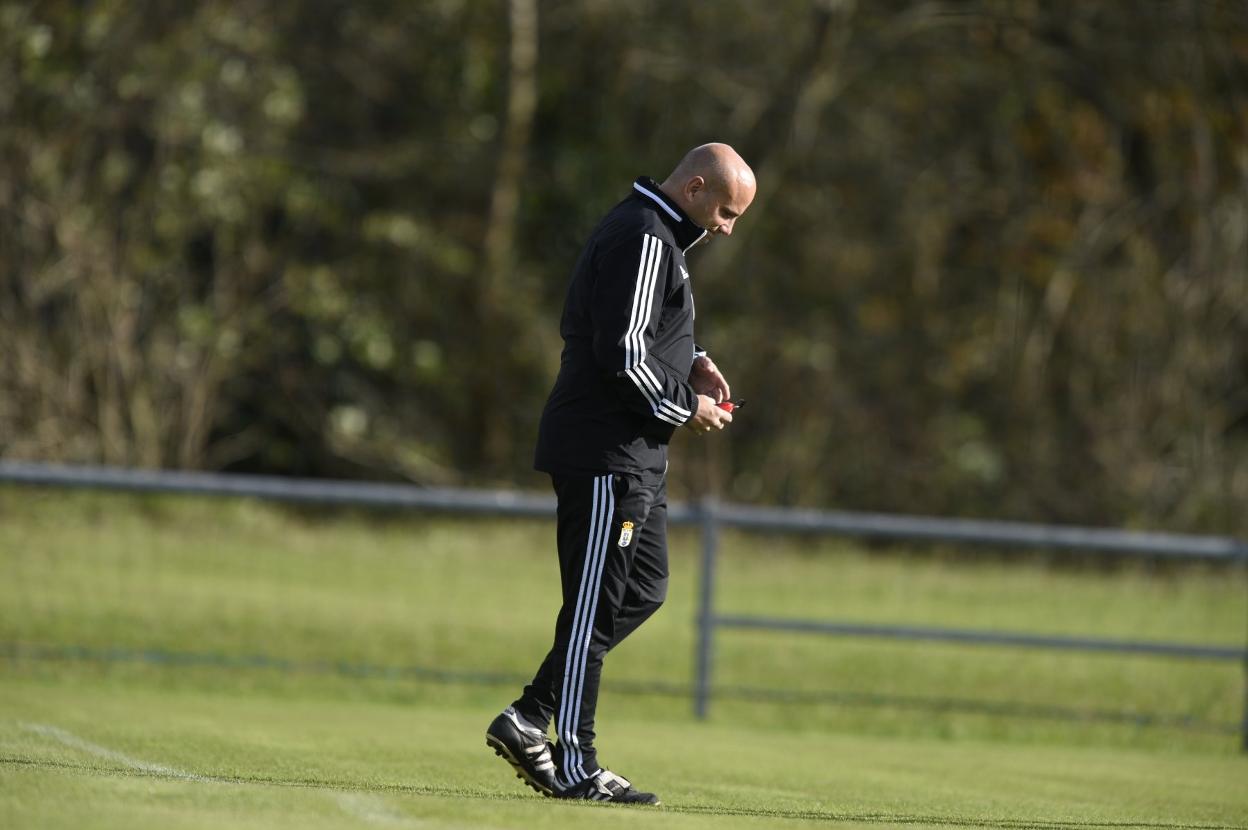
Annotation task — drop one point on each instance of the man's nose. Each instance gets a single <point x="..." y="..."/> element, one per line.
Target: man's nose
<point x="726" y="228"/>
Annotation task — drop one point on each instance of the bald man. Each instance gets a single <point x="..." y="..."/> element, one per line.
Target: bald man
<point x="629" y="377"/>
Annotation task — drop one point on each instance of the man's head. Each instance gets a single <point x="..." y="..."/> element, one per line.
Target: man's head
<point x="713" y="185"/>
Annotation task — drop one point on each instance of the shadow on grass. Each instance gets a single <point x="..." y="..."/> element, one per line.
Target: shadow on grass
<point x="174" y="660"/>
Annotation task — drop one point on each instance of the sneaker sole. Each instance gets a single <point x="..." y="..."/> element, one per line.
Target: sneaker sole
<point x="621" y="802"/>
<point x="501" y="750"/>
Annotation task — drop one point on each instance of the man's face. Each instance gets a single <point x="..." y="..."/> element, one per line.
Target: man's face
<point x="717" y="208"/>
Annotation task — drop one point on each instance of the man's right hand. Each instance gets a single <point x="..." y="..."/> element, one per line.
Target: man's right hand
<point x="708" y="417"/>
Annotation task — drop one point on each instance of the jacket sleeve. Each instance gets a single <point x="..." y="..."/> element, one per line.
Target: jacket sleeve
<point x="626" y="306"/>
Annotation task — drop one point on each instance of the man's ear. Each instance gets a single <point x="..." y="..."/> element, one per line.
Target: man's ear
<point x="694" y="186"/>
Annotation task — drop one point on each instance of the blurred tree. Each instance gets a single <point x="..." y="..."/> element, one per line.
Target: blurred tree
<point x="998" y="264"/>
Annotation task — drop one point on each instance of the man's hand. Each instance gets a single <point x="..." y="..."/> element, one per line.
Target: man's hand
<point x="705" y="378"/>
<point x="708" y="417"/>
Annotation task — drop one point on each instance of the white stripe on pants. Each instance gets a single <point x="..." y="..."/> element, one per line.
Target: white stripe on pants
<point x="596" y="547"/>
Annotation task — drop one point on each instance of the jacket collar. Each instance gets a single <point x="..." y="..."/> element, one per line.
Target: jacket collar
<point x="686" y="232"/>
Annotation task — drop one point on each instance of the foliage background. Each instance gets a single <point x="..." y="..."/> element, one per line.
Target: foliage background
<point x="998" y="264"/>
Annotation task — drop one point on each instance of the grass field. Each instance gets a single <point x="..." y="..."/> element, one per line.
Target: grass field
<point x="130" y="695"/>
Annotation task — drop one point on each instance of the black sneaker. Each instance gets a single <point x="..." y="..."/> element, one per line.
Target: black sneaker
<point x="525" y="747"/>
<point x="607" y="786"/>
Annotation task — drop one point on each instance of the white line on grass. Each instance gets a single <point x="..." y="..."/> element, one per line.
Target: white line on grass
<point x="372" y="809"/>
<point x="369" y="808"/>
<point x="71" y="740"/>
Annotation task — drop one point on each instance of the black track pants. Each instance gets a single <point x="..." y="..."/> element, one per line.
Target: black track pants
<point x="613" y="566"/>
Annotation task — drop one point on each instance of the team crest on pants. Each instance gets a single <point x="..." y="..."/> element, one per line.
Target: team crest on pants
<point x="626" y="534"/>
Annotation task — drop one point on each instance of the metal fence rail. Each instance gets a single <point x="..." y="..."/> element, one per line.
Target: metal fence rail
<point x="1018" y="535"/>
<point x="1009" y="535"/>
<point x="711" y="517"/>
<point x="277" y="488"/>
<point x="982" y="638"/>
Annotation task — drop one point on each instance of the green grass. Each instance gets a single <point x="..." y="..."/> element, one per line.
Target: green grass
<point x="309" y="746"/>
<point x="265" y="760"/>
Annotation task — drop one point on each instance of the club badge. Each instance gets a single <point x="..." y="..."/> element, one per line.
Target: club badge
<point x="626" y="534"/>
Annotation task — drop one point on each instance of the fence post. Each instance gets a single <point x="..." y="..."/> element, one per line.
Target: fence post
<point x="706" y="615"/>
<point x="1243" y="726"/>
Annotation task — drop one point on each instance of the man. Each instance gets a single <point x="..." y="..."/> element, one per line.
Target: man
<point x="630" y="374"/>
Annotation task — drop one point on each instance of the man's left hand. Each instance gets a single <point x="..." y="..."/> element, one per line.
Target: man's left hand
<point x="705" y="378"/>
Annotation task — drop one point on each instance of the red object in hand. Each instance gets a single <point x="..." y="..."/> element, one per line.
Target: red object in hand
<point x="728" y="406"/>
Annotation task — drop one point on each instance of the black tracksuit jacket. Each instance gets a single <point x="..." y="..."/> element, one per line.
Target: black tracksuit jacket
<point x="627" y="328"/>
